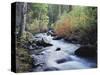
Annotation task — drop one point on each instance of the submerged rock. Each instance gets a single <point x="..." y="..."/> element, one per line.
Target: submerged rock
<point x="60" y="61"/>
<point x="58" y="49"/>
<point x="51" y="69"/>
<point x="72" y="65"/>
<point x="86" y="51"/>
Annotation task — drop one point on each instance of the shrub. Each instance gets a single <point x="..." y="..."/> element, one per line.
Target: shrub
<point x="63" y="27"/>
<point x="80" y="22"/>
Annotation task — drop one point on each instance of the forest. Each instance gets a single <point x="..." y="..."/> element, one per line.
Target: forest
<point x="64" y="30"/>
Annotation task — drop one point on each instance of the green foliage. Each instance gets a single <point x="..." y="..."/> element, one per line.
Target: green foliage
<point x="56" y="11"/>
<point x="82" y="21"/>
<point x="38" y="18"/>
<point x="25" y="38"/>
<point x="39" y="9"/>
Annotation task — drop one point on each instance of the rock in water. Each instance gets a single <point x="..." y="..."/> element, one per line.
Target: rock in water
<point x="60" y="61"/>
<point x="86" y="51"/>
<point x="43" y="43"/>
<point x="51" y="69"/>
<point x="58" y="49"/>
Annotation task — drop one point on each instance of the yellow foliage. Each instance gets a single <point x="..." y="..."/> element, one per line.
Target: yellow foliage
<point x="63" y="27"/>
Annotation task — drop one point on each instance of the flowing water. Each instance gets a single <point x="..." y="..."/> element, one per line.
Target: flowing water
<point x="51" y="59"/>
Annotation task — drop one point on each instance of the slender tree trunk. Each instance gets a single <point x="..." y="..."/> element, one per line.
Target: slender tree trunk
<point x="23" y="19"/>
<point x="39" y="18"/>
<point x="59" y="11"/>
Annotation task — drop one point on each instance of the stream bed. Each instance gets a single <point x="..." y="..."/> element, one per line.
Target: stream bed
<point x="60" y="56"/>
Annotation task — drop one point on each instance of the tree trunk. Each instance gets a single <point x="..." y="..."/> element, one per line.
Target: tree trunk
<point x="39" y="18"/>
<point x="23" y="19"/>
<point x="59" y="11"/>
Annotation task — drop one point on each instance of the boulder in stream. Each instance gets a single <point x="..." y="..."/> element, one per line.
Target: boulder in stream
<point x="43" y="43"/>
<point x="51" y="69"/>
<point x="58" y="49"/>
<point x="86" y="51"/>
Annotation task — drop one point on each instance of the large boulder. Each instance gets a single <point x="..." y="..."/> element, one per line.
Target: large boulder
<point x="41" y="40"/>
<point x="86" y="51"/>
<point x="43" y="43"/>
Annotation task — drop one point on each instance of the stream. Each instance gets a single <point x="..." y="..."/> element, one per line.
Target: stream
<point x="51" y="59"/>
